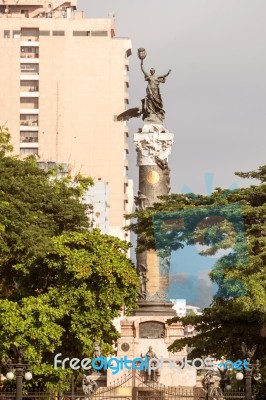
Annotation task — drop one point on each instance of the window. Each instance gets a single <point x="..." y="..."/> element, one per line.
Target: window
<point x="25" y="49"/>
<point x="29" y="68"/>
<point x="58" y="33"/>
<point x="29" y="120"/>
<point x="29" y="103"/>
<point x="16" y="34"/>
<point x="28" y="137"/>
<point x="44" y="33"/>
<point x="99" y="33"/>
<point x="25" y="12"/>
<point x="6" y="34"/>
<point x="81" y="33"/>
<point x="29" y="52"/>
<point x="28" y="151"/>
<point x="30" y="32"/>
<point x="29" y="86"/>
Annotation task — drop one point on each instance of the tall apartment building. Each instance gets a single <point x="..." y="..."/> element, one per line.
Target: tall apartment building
<point x="63" y="78"/>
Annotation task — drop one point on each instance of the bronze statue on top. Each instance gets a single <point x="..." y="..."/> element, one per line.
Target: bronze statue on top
<point x="152" y="106"/>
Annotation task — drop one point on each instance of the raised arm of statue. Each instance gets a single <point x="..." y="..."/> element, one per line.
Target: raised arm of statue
<point x="164" y="76"/>
<point x="143" y="70"/>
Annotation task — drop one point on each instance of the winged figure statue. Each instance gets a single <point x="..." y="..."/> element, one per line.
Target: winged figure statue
<point x="248" y="354"/>
<point x="131" y="113"/>
<point x="151" y="107"/>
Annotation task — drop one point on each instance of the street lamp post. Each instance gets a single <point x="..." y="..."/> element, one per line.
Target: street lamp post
<point x="19" y="368"/>
<point x="248" y="385"/>
<point x="253" y="372"/>
<point x="248" y="374"/>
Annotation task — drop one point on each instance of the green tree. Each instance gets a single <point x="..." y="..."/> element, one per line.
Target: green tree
<point x="238" y="311"/>
<point x="61" y="285"/>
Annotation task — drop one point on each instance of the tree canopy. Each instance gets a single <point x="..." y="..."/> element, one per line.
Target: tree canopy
<point x="61" y="283"/>
<point x="226" y="219"/>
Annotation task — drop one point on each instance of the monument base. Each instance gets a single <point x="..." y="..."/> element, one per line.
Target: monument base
<point x="155" y="309"/>
<point x="141" y="334"/>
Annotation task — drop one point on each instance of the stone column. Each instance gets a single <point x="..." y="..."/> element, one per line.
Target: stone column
<point x="153" y="145"/>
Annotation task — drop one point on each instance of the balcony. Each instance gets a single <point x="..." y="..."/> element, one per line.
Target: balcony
<point x="29" y="137"/>
<point x="30" y="59"/>
<point x="25" y="126"/>
<point x="34" y="42"/>
<point x="29" y="76"/>
<point x="29" y="88"/>
<point x="29" y="145"/>
<point x="29" y="66"/>
<point x="29" y="104"/>
<point x="29" y="121"/>
<point x="25" y="123"/>
<point x="31" y="111"/>
<point x="33" y="93"/>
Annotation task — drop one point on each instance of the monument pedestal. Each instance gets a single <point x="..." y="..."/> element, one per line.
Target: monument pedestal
<point x="138" y="334"/>
<point x="154" y="308"/>
<point x="146" y="331"/>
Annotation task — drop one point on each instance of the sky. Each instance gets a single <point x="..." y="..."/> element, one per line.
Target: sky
<point x="215" y="96"/>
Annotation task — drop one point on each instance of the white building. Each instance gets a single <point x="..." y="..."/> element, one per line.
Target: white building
<point x="63" y="79"/>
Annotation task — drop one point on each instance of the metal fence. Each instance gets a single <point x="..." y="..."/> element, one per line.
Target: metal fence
<point x="235" y="395"/>
<point x="129" y="387"/>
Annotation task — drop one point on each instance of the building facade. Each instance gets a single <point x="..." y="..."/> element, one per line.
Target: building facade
<point x="63" y="79"/>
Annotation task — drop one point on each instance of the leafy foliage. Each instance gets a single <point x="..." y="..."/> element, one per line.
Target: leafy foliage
<point x="61" y="285"/>
<point x="235" y="315"/>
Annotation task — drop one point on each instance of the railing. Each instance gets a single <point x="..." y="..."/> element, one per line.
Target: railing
<point x="27" y="89"/>
<point x="29" y="55"/>
<point x="143" y="390"/>
<point x="28" y="123"/>
<point x="58" y="3"/>
<point x="29" y="394"/>
<point x="25" y="2"/>
<point x="29" y="140"/>
<point x="29" y="38"/>
<point x="234" y="395"/>
<point x="107" y="394"/>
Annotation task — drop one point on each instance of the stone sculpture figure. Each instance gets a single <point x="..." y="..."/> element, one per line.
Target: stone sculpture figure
<point x="140" y="201"/>
<point x="89" y="386"/>
<point x="215" y="393"/>
<point x="212" y="392"/>
<point x="154" y="374"/>
<point x="143" y="284"/>
<point x="97" y="353"/>
<point x="142" y="269"/>
<point x="97" y="350"/>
